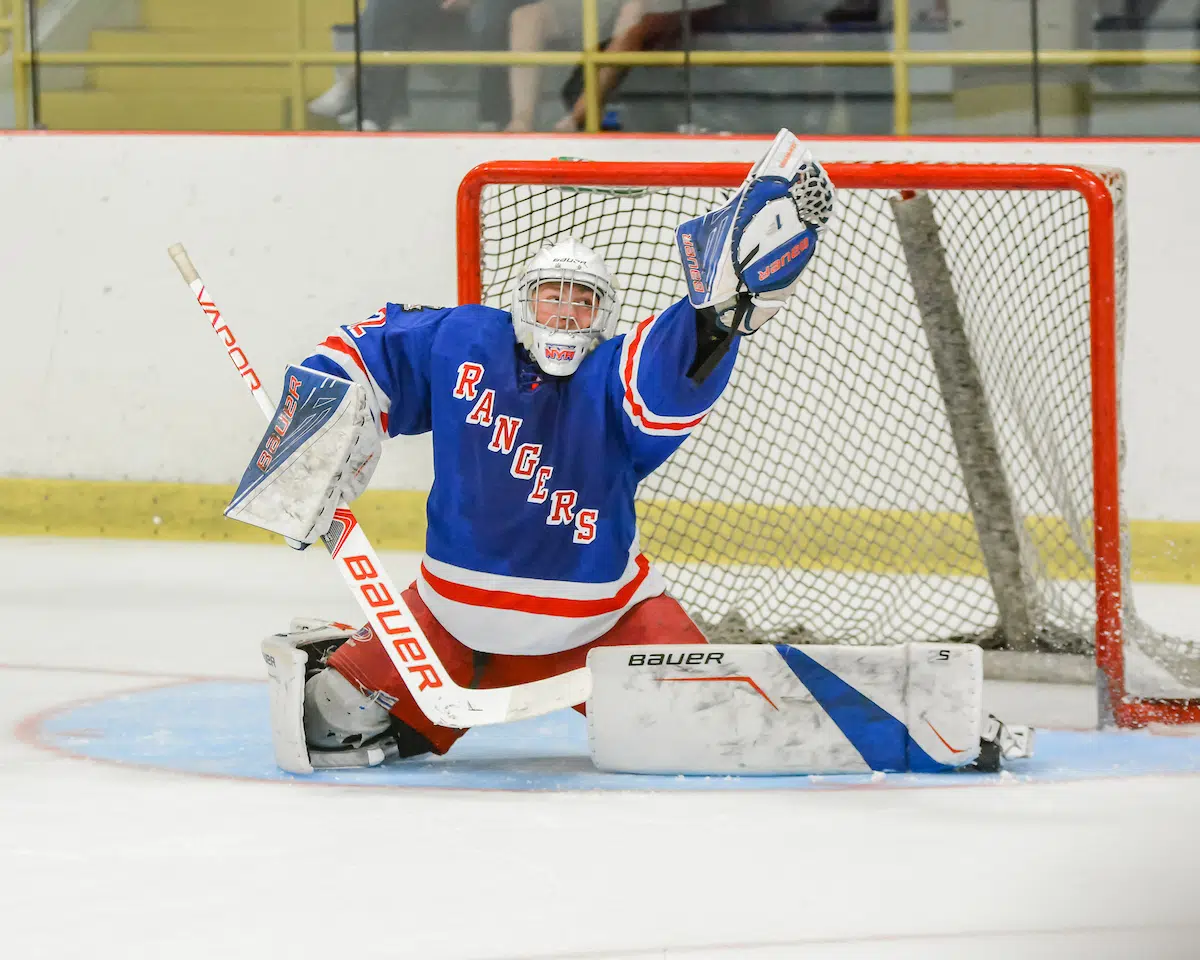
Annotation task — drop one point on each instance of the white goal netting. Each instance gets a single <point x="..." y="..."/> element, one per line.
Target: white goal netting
<point x="838" y="492"/>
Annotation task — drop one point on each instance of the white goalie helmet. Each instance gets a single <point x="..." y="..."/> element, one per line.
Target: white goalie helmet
<point x="563" y="305"/>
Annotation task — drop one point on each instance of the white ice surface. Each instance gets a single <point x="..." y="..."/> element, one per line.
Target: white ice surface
<point x="100" y="860"/>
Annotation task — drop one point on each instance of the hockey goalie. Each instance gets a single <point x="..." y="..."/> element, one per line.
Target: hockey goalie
<point x="543" y="424"/>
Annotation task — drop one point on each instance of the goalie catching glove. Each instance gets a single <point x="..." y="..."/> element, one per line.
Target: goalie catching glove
<point x="321" y="448"/>
<point x="743" y="261"/>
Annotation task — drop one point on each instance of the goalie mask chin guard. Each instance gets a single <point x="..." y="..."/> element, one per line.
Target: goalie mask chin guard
<point x="560" y="273"/>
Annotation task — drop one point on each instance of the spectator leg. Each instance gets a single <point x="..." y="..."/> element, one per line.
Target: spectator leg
<point x="390" y="25"/>
<point x="528" y="26"/>
<point x="490" y="23"/>
<point x="633" y="30"/>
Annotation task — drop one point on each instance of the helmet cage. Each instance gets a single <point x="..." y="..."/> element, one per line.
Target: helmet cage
<point x="558" y="348"/>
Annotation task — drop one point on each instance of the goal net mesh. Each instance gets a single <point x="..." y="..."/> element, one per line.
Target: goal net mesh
<point x="823" y="499"/>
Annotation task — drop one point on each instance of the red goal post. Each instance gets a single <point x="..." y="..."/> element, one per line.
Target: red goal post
<point x="501" y="220"/>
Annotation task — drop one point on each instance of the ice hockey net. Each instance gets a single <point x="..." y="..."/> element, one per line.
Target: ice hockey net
<point x="924" y="446"/>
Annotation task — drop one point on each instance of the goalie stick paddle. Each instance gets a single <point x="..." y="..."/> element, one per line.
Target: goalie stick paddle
<point x="439" y="697"/>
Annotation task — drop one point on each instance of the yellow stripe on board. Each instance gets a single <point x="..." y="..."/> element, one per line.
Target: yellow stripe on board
<point x="853" y="540"/>
<point x="889" y="541"/>
<point x="877" y="541"/>
<point x="394" y="519"/>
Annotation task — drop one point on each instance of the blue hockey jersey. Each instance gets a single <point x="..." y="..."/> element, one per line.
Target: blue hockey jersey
<point x="532" y="543"/>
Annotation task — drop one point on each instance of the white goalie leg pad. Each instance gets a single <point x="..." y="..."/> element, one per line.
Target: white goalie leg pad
<point x="285" y="682"/>
<point x="763" y="709"/>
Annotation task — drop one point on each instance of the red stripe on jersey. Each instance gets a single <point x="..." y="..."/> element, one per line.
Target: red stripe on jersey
<point x="341" y="346"/>
<point x="636" y="408"/>
<point x="545" y="606"/>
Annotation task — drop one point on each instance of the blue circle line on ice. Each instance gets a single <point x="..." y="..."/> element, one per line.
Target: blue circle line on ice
<point x="221" y="728"/>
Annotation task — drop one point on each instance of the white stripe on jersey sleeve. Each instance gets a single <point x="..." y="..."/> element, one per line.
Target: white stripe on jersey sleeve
<point x="635" y="406"/>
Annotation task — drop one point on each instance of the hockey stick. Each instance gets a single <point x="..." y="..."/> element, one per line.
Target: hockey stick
<point x="441" y="699"/>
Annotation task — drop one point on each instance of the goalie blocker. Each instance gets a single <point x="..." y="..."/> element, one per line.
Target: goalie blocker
<point x="778" y="709"/>
<point x="321" y="447"/>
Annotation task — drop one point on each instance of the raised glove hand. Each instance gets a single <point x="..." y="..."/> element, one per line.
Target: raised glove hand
<point x="743" y="261"/>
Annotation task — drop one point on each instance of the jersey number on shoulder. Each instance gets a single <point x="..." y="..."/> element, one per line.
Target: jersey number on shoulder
<point x="377" y="319"/>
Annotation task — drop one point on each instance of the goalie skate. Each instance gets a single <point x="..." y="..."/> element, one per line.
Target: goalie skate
<point x="999" y="742"/>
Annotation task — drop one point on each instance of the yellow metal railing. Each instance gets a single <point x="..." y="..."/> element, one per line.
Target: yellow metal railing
<point x="297" y="71"/>
<point x="900" y="58"/>
<point x="591" y="46"/>
<point x="14" y="27"/>
<point x="901" y="95"/>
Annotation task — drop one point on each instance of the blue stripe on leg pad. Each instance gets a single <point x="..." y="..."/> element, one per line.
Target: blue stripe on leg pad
<point x="882" y="740"/>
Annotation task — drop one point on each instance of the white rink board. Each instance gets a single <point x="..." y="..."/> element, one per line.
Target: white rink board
<point x="298" y="233"/>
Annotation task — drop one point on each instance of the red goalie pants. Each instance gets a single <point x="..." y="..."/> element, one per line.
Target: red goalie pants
<point x="365" y="663"/>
